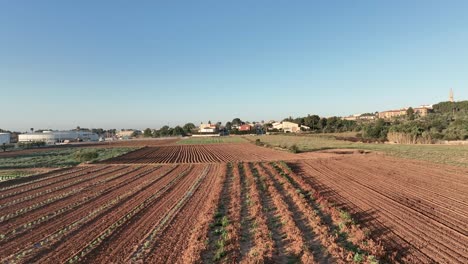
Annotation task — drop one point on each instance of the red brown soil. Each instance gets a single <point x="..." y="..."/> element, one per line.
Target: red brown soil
<point x="132" y="188"/>
<point x="174" y="240"/>
<point x="123" y="244"/>
<point x="295" y="240"/>
<point x="86" y="233"/>
<point x="418" y="209"/>
<point x="131" y="210"/>
<point x="201" y="154"/>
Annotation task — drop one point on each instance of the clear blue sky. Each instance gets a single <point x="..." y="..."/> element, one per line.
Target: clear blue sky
<point x="138" y="64"/>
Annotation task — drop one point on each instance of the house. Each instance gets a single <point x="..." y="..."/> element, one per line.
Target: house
<point x="290" y="127"/>
<point x="277" y="125"/>
<point x="422" y="110"/>
<point x="207" y="128"/>
<point x="392" y="113"/>
<point x="245" y="127"/>
<point x="127" y="133"/>
<point x="356" y="117"/>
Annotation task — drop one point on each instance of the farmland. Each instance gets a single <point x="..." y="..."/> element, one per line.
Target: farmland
<point x="200" y="154"/>
<point x="61" y="157"/>
<point x="236" y="203"/>
<point x="212" y="140"/>
<point x="446" y="154"/>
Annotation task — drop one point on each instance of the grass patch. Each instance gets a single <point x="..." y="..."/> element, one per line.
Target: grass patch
<point x="61" y="157"/>
<point x="445" y="154"/>
<point x="211" y="140"/>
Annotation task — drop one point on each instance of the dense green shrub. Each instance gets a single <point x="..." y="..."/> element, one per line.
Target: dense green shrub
<point x="294" y="148"/>
<point x="86" y="155"/>
<point x="377" y="130"/>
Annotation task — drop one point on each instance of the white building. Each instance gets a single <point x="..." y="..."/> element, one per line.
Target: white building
<point x="4" y="138"/>
<point x="277" y="125"/>
<point x="288" y="127"/>
<point x="207" y="128"/>
<point x="52" y="137"/>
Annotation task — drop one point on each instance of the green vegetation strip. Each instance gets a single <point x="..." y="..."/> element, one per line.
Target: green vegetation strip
<point x="13" y="174"/>
<point x="61" y="157"/>
<point x="220" y="222"/>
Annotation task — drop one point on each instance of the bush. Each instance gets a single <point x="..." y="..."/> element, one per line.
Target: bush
<point x="377" y="130"/>
<point x="258" y="142"/>
<point x="86" y="155"/>
<point x="294" y="148"/>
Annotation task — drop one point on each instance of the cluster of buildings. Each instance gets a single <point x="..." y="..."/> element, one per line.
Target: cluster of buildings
<point x="59" y="137"/>
<point x="421" y="111"/>
<point x="360" y="117"/>
<point x="285" y="126"/>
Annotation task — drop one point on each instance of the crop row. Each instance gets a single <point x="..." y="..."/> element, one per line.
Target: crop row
<point x="63" y="195"/>
<point x="58" y="187"/>
<point x="114" y="226"/>
<point x="49" y="215"/>
<point x="102" y="208"/>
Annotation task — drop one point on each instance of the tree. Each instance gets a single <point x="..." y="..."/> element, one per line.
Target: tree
<point x="376" y="130"/>
<point x="178" y="131"/>
<point x="147" y="133"/>
<point x="228" y="125"/>
<point x="312" y="121"/>
<point x="410" y="113"/>
<point x="188" y="128"/>
<point x="322" y="123"/>
<point x="236" y="122"/>
<point x="164" y="131"/>
<point x="135" y="133"/>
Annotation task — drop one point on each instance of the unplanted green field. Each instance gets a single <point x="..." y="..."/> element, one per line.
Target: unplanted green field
<point x="446" y="154"/>
<point x="58" y="158"/>
<point x="212" y="140"/>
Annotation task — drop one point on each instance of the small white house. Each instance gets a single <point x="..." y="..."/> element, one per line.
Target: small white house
<point x="207" y="128"/>
<point x="290" y="127"/>
<point x="277" y="125"/>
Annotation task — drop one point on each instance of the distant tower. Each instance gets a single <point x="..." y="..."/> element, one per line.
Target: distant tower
<point x="451" y="95"/>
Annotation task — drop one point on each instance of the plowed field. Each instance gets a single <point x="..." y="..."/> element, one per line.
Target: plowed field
<point x="201" y="154"/>
<point x="419" y="210"/>
<point x="237" y="203"/>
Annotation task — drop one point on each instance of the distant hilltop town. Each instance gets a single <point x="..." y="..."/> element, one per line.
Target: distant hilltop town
<point x="422" y="110"/>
